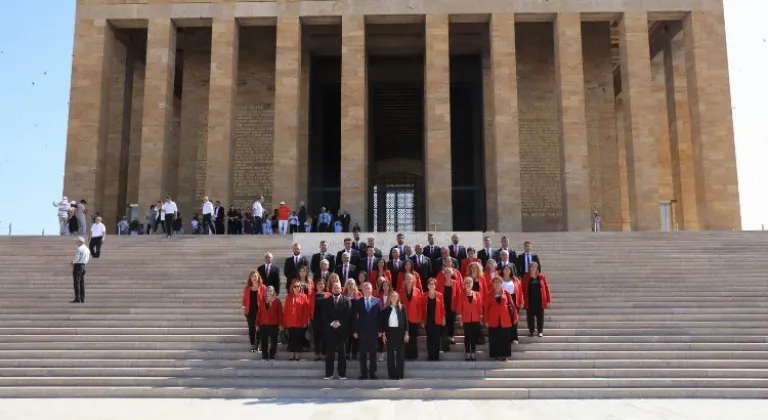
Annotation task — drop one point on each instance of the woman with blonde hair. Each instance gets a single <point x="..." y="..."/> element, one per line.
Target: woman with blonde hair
<point x="253" y="293"/>
<point x="269" y="322"/>
<point x="480" y="281"/>
<point x="304" y="280"/>
<point x="296" y="319"/>
<point x="394" y="326"/>
<point x="408" y="269"/>
<point x="411" y="298"/>
<point x="469" y="310"/>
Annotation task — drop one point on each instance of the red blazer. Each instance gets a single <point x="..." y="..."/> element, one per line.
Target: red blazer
<point x="484" y="284"/>
<point x="247" y="297"/>
<point x="470" y="312"/>
<point x="374" y="275"/>
<point x="381" y="299"/>
<point x="546" y="298"/>
<point x="296" y="312"/>
<point x="456" y="288"/>
<point x="312" y="302"/>
<point x="519" y="294"/>
<point x="271" y="316"/>
<point x="466" y="262"/>
<point x="310" y="286"/>
<point x="401" y="281"/>
<point x="439" y="308"/>
<point x="413" y="305"/>
<point x="497" y="313"/>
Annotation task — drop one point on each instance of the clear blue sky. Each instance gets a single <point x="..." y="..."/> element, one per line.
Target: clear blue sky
<point x="35" y="65"/>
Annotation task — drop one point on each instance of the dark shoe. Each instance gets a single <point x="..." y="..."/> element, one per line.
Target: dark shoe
<point x="328" y="377"/>
<point x="74" y="301"/>
<point x="373" y="377"/>
<point x="253" y="349"/>
<point x="362" y="377"/>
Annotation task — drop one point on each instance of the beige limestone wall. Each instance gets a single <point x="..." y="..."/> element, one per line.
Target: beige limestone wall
<point x="194" y="128"/>
<point x="110" y="165"/>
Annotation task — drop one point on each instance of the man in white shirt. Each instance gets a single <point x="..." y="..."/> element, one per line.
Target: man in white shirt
<point x="208" y="227"/>
<point x="62" y="212"/>
<point x="96" y="237"/>
<point x="258" y="213"/>
<point x="82" y="256"/>
<point x="170" y="209"/>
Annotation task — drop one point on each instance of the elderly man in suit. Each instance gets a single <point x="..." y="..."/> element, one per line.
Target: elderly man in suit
<point x="337" y="316"/>
<point x="365" y="315"/>
<point x="314" y="265"/>
<point x="270" y="273"/>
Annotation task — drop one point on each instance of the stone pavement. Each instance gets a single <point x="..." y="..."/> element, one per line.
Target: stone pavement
<point x="195" y="409"/>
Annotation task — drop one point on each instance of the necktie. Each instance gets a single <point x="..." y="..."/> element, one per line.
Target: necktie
<point x="336" y="301"/>
<point x="296" y="260"/>
<point x="370" y="264"/>
<point x="368" y="304"/>
<point x="527" y="260"/>
<point x="346" y="272"/>
<point x="397" y="265"/>
<point x="267" y="270"/>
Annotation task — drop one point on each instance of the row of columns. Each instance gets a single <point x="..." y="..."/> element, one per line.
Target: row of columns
<point x="705" y="73"/>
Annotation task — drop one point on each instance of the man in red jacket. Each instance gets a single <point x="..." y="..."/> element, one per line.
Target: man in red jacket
<point x="283" y="213"/>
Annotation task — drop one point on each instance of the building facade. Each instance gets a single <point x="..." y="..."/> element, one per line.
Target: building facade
<point x="517" y="115"/>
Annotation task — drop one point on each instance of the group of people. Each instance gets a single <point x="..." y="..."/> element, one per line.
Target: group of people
<point x="358" y="305"/>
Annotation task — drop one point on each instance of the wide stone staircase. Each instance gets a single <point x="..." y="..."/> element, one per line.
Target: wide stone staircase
<point x="638" y="315"/>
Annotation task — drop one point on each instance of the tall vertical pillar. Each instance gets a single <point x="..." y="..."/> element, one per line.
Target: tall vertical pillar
<point x="437" y="96"/>
<point x="640" y="122"/>
<point x="89" y="111"/>
<point x="681" y="148"/>
<point x="658" y="87"/>
<point x="711" y="121"/>
<point x="287" y="108"/>
<point x="221" y="109"/>
<point x="158" y="111"/>
<point x="569" y="70"/>
<point x="354" y="136"/>
<point x="503" y="176"/>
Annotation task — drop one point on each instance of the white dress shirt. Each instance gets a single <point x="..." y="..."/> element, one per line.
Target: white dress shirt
<point x="98" y="230"/>
<point x="508" y="286"/>
<point x="82" y="255"/>
<point x="170" y="208"/>
<point x="393" y="322"/>
<point x="207" y="208"/>
<point x="258" y="209"/>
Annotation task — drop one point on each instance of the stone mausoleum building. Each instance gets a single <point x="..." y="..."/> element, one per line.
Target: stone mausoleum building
<point x="506" y="115"/>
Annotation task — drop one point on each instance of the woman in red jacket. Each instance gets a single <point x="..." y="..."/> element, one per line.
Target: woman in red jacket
<point x="381" y="270"/>
<point x="302" y="277"/>
<point x="511" y="285"/>
<point x="433" y="318"/>
<point x="383" y="290"/>
<point x="537" y="298"/>
<point x="253" y="293"/>
<point x="449" y="284"/>
<point x="499" y="320"/>
<point x="268" y="322"/>
<point x="411" y="298"/>
<point x="318" y="327"/>
<point x="469" y="308"/>
<point x="408" y="268"/>
<point x="296" y="320"/>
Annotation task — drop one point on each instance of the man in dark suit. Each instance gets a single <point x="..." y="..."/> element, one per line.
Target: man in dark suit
<point x="525" y="259"/>
<point x="367" y="263"/>
<point x="487" y="252"/>
<point x="294" y="262"/>
<point x="345" y="220"/>
<point x="422" y="265"/>
<point x="357" y="244"/>
<point x="302" y="216"/>
<point x="218" y="218"/>
<point x="354" y="255"/>
<point x="365" y="315"/>
<point x="336" y="315"/>
<point x="270" y="273"/>
<point x="400" y="247"/>
<point x="505" y="247"/>
<point x="371" y="243"/>
<point x="439" y="264"/>
<point x="395" y="264"/>
<point x="346" y="270"/>
<point x="314" y="264"/>
<point x="457" y="252"/>
<point x="431" y="250"/>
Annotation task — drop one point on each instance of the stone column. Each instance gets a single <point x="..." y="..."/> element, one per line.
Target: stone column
<point x="354" y="138"/>
<point x="158" y="111"/>
<point x="287" y="108"/>
<point x="569" y="70"/>
<point x="711" y="121"/>
<point x="221" y="109"/>
<point x="680" y="135"/>
<point x="89" y="111"/>
<point x="437" y="96"/>
<point x="658" y="87"/>
<point x="503" y="175"/>
<point x="640" y="122"/>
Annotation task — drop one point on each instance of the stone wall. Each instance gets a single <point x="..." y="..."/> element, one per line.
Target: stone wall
<point x="194" y="128"/>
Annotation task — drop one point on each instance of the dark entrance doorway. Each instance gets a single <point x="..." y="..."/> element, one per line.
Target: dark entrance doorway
<point x="396" y="143"/>
<point x="324" y="133"/>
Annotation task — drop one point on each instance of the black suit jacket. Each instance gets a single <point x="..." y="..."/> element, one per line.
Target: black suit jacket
<point x="358" y="245"/>
<point x="352" y="273"/>
<point x="438" y="267"/>
<point x="291" y="269"/>
<point x="432" y="251"/>
<point x="272" y="278"/>
<point x="459" y="255"/>
<point x="512" y="255"/>
<point x="484" y="255"/>
<point x="402" y="318"/>
<point x="314" y="264"/>
<point x="394" y="271"/>
<point x="354" y="256"/>
<point x="364" y="252"/>
<point x="424" y="269"/>
<point x="341" y="312"/>
<point x="399" y="248"/>
<point x="521" y="262"/>
<point x="366" y="323"/>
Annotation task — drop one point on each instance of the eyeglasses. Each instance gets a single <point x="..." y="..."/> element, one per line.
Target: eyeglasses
<point x="297" y="287"/>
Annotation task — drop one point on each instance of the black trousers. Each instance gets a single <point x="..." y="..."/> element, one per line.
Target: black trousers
<point x="434" y="332"/>
<point x="352" y="345"/>
<point x="295" y="340"/>
<point x="293" y="229"/>
<point x="78" y="275"/>
<point x="259" y="228"/>
<point x="513" y="335"/>
<point x="253" y="335"/>
<point x="322" y="227"/>
<point x="208" y="224"/>
<point x="471" y="332"/>
<point x="318" y="336"/>
<point x="412" y="346"/>
<point x="335" y="351"/>
<point x="367" y="363"/>
<point x="159" y="223"/>
<point x="168" y="226"/>
<point x="535" y="318"/>
<point x="499" y="342"/>
<point x="94" y="245"/>
<point x="396" y="352"/>
<point x="449" y="328"/>
<point x="268" y="341"/>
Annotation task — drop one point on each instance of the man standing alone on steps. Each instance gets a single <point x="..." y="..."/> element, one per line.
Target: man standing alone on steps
<point x="82" y="256"/>
<point x="170" y="209"/>
<point x="258" y="216"/>
<point x="96" y="238"/>
<point x="208" y="228"/>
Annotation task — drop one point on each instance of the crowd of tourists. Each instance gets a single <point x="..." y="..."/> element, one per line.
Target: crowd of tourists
<point x="362" y="304"/>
